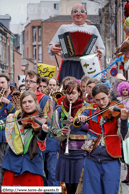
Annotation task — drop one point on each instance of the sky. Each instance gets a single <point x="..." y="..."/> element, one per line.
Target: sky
<point x="17" y="9"/>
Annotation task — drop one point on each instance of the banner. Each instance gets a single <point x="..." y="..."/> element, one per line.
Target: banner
<point x="21" y="79"/>
<point x="45" y="70"/>
<point x="90" y="65"/>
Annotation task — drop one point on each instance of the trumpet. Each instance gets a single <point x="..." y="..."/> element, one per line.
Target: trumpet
<point x="67" y="142"/>
<point x="2" y="93"/>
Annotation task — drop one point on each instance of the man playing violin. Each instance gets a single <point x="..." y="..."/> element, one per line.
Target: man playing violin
<point x="6" y="107"/>
<point x="102" y="165"/>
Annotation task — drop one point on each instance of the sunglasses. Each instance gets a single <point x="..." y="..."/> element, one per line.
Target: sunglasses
<point x="76" y="11"/>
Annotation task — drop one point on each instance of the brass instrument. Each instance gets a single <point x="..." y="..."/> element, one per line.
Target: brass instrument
<point x="67" y="142"/>
<point x="2" y="93"/>
<point x="58" y="94"/>
<point x="55" y="96"/>
<point x="15" y="99"/>
<point x="50" y="94"/>
<point x="24" y="90"/>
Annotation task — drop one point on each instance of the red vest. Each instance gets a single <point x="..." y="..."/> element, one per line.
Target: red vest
<point x="112" y="143"/>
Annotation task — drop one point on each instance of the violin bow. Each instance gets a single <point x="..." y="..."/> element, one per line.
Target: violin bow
<point x="93" y="115"/>
<point x="98" y="113"/>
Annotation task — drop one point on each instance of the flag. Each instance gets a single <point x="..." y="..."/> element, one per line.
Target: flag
<point x="45" y="70"/>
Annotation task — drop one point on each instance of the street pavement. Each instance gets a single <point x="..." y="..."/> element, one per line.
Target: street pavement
<point x="123" y="176"/>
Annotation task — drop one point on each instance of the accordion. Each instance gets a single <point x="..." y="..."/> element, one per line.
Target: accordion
<point x="77" y="43"/>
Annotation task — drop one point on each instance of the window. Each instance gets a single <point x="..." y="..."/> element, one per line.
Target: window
<point x="56" y="6"/>
<point x="34" y="34"/>
<point x="28" y="52"/>
<point x="23" y="53"/>
<point x="2" y="49"/>
<point x="39" y="34"/>
<point x="34" y="52"/>
<point x="5" y="53"/>
<point x="40" y="53"/>
<point x="23" y="37"/>
<point x="84" y="5"/>
<point x="27" y="35"/>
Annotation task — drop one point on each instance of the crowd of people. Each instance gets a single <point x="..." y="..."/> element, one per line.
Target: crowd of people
<point x="78" y="135"/>
<point x="91" y="140"/>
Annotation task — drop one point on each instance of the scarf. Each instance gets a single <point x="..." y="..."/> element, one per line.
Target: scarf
<point x="75" y="106"/>
<point x="39" y="95"/>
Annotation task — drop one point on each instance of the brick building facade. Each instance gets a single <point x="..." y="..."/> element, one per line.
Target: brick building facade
<point x="32" y="41"/>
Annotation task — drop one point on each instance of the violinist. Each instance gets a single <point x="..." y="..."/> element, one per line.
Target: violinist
<point x="23" y="162"/>
<point x="103" y="145"/>
<point x="69" y="167"/>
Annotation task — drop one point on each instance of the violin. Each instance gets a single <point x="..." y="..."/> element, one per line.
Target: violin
<point x="35" y="122"/>
<point x="112" y="111"/>
<point x="30" y="121"/>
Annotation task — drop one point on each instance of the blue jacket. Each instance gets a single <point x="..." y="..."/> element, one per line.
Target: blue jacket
<point x="51" y="144"/>
<point x="43" y="101"/>
<point x="4" y="112"/>
<point x="22" y="163"/>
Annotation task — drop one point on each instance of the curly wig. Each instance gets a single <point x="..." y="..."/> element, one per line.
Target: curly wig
<point x="121" y="86"/>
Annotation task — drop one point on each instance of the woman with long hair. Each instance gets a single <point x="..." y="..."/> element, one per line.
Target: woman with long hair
<point x="23" y="162"/>
<point x="103" y="145"/>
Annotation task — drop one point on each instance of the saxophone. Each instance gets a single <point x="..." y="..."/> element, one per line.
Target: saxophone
<point x="67" y="141"/>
